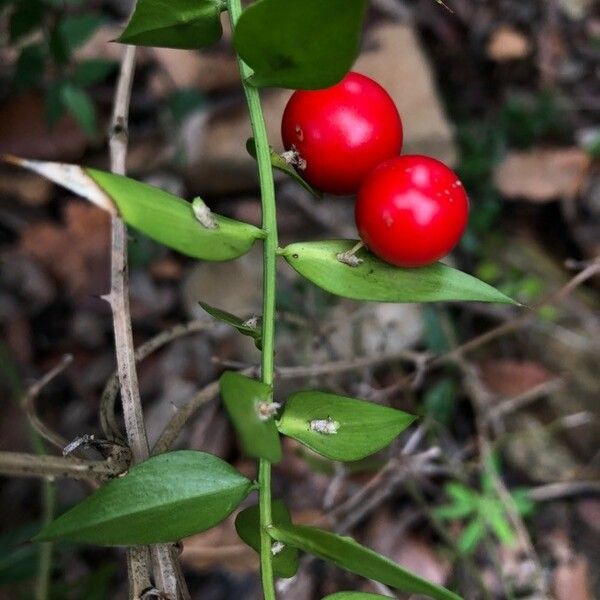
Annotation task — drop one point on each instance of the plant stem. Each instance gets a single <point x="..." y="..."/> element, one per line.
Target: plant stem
<point x="44" y="575"/>
<point x="269" y="225"/>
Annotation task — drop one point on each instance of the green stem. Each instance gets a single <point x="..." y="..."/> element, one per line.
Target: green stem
<point x="269" y="225"/>
<point x="42" y="588"/>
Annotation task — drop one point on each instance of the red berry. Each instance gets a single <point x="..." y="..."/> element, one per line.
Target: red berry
<point x="342" y="132"/>
<point x="411" y="211"/>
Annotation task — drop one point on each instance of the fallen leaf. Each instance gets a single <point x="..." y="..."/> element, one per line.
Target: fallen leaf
<point x="572" y="580"/>
<point x="219" y="547"/>
<point x="27" y="187"/>
<point x="507" y="377"/>
<point x="542" y="175"/>
<point x="209" y="71"/>
<point x="75" y="252"/>
<point x="24" y="131"/>
<point x="506" y="43"/>
<point x="387" y="534"/>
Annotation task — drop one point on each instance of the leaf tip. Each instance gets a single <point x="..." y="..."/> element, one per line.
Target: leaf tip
<point x="11" y="159"/>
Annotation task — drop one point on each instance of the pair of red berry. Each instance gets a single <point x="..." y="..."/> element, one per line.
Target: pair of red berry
<point x="411" y="210"/>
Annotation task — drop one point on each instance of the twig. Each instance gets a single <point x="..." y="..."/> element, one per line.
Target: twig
<point x="563" y="489"/>
<point x="44" y="572"/>
<point x="111" y="390"/>
<point x="165" y="569"/>
<point x="34" y="465"/>
<point x="138" y="572"/>
<point x="592" y="268"/>
<point x="177" y="422"/>
<point x="480" y="399"/>
<point x="514" y="403"/>
<point x="590" y="271"/>
<point x="119" y="294"/>
<point x="28" y="404"/>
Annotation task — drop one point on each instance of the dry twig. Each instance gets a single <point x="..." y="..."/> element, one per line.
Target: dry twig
<point x="165" y="569"/>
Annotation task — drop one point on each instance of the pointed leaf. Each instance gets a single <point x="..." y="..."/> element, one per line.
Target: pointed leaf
<point x="493" y="512"/>
<point x="279" y="163"/>
<point x="249" y="404"/>
<point x="524" y="504"/>
<point x="354" y="596"/>
<point x="92" y="71"/>
<point x="247" y="525"/>
<point x="161" y="216"/>
<point x="244" y="327"/>
<point x="462" y="495"/>
<point x="452" y="512"/>
<point x="301" y="45"/>
<point x="174" y="24"/>
<point x="471" y="535"/>
<point x="163" y="499"/>
<point x="78" y="102"/>
<point x="341" y="428"/>
<point x="349" y="555"/>
<point x="378" y="281"/>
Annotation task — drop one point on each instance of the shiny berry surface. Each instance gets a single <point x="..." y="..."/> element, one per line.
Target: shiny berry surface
<point x="411" y="210"/>
<point x="341" y="133"/>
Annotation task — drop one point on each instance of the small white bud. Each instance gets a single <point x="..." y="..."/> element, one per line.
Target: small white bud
<point x="267" y="410"/>
<point x="325" y="426"/>
<point x="276" y="548"/>
<point x="203" y="214"/>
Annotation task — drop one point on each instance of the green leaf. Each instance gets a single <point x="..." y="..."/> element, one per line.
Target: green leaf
<point x="349" y="555"/>
<point x="452" y="512"/>
<point x="245" y="327"/>
<point x="493" y="512"/>
<point x="341" y="428"/>
<point x="247" y="525"/>
<point x="462" y="495"/>
<point x="440" y="400"/>
<point x="54" y="107"/>
<point x="79" y="104"/>
<point x="92" y="71"/>
<point x="161" y="500"/>
<point x="171" y="221"/>
<point x="185" y="101"/>
<point x="249" y="404"/>
<point x="378" y="281"/>
<point x="279" y="163"/>
<point x="75" y="30"/>
<point x="30" y="66"/>
<point x="174" y="24"/>
<point x="26" y="17"/>
<point x="471" y="535"/>
<point x="300" y="45"/>
<point x="524" y="504"/>
<point x="354" y="596"/>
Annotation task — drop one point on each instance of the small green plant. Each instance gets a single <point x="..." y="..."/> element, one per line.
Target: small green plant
<point x="482" y="512"/>
<point x="47" y="34"/>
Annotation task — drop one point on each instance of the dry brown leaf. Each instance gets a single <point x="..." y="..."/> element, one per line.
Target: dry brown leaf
<point x="24" y="131"/>
<point x="219" y="547"/>
<point x="76" y="252"/>
<point x="506" y="43"/>
<point x="572" y="580"/>
<point x="29" y="188"/>
<point x="508" y="377"/>
<point x="386" y="534"/>
<point x="542" y="175"/>
<point x="208" y="71"/>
